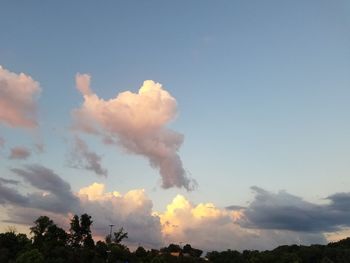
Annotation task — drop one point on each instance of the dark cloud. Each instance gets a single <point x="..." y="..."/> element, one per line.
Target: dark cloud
<point x="83" y="158"/>
<point x="235" y="207"/>
<point x="57" y="195"/>
<point x="26" y="216"/>
<point x="53" y="203"/>
<point x="8" y="181"/>
<point x="283" y="211"/>
<point x="11" y="196"/>
<point x="19" y="153"/>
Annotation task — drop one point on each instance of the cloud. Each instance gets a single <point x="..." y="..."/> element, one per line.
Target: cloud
<point x="18" y="93"/>
<point x="56" y="194"/>
<point x="8" y="181"/>
<point x="2" y="142"/>
<point x="211" y="228"/>
<point x="19" y="153"/>
<point x="283" y="211"/>
<point x="270" y="220"/>
<point x="39" y="147"/>
<point x="83" y="158"/>
<point x="137" y="121"/>
<point x="26" y="216"/>
<point x="11" y="196"/>
<point x="133" y="211"/>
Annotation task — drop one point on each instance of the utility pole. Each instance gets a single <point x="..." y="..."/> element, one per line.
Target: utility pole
<point x="110" y="232"/>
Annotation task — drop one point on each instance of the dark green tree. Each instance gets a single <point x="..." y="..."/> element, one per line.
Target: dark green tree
<point x="40" y="228"/>
<point x="31" y="256"/>
<point x="80" y="231"/>
<point x="12" y="244"/>
<point x="50" y="239"/>
<point x="141" y="253"/>
<point x="193" y="252"/>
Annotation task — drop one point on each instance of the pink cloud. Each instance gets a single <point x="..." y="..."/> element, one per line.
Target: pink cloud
<point x="18" y="94"/>
<point x="137" y="121"/>
<point x="19" y="153"/>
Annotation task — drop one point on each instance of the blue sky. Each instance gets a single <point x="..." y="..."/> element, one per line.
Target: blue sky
<point x="262" y="89"/>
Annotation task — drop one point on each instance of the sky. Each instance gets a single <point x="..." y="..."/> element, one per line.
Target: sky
<point x="224" y="125"/>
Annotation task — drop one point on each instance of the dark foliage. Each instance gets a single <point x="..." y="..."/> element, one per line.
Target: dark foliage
<point x="51" y="244"/>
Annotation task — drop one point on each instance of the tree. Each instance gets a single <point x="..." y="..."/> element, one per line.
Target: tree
<point x="39" y="229"/>
<point x="31" y="256"/>
<point x="50" y="239"/>
<point x="193" y="252"/>
<point x="12" y="244"/>
<point x="101" y="250"/>
<point x="119" y="236"/>
<point x="80" y="232"/>
<point x="141" y="252"/>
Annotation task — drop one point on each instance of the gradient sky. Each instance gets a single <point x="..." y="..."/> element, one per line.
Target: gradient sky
<point x="262" y="91"/>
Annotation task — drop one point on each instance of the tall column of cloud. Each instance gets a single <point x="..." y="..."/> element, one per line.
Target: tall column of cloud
<point x="138" y="122"/>
<point x="18" y="94"/>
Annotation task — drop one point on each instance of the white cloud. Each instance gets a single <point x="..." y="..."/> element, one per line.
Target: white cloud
<point x="137" y="121"/>
<point x="133" y="211"/>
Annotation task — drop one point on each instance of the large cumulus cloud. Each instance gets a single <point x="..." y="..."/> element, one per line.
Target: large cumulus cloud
<point x="18" y="93"/>
<point x="211" y="228"/>
<point x="133" y="211"/>
<point x="137" y="121"/>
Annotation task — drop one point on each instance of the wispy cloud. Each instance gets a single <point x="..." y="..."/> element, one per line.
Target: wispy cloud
<point x="137" y="121"/>
<point x="83" y="158"/>
<point x="19" y="153"/>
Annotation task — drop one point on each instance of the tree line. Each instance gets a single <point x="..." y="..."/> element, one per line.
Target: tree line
<point x="52" y="244"/>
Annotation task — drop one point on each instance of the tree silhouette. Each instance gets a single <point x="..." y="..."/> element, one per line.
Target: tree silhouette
<point x="80" y="232"/>
<point x="119" y="236"/>
<point x="41" y="226"/>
